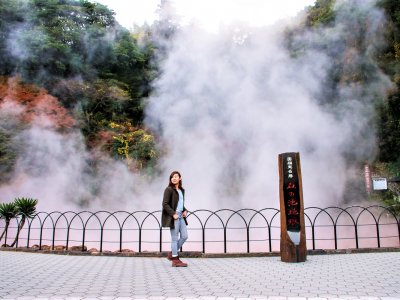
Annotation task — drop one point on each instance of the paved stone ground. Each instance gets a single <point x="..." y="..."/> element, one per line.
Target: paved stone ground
<point x="341" y="276"/>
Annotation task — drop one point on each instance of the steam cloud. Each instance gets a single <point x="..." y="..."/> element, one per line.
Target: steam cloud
<point x="226" y="105"/>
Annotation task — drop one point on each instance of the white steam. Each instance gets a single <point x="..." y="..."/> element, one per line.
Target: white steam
<point x="228" y="104"/>
<point x="54" y="168"/>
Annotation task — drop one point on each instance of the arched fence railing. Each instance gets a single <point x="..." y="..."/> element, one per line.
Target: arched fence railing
<point x="224" y="230"/>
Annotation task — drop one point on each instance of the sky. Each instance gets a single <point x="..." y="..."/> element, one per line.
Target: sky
<point x="209" y="14"/>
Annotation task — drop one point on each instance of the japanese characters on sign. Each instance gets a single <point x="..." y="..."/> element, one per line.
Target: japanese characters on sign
<point x="291" y="192"/>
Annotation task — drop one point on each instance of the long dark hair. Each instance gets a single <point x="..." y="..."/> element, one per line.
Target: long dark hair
<point x="180" y="181"/>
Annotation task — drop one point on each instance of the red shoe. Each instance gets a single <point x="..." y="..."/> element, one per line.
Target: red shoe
<point x="169" y="257"/>
<point x="176" y="262"/>
<point x="182" y="263"/>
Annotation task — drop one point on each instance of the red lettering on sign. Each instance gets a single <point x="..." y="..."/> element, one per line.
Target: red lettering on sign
<point x="291" y="185"/>
<point x="292" y="202"/>
<point x="293" y="222"/>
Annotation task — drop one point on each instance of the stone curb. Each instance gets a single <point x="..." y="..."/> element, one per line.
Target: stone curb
<point x="194" y="254"/>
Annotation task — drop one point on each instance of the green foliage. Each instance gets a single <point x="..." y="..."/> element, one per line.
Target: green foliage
<point x="11" y="12"/>
<point x="348" y="51"/>
<point x="8" y="211"/>
<point x="391" y="196"/>
<point x="389" y="199"/>
<point x="321" y="13"/>
<point x="135" y="146"/>
<point x="394" y="168"/>
<point x="389" y="111"/>
<point x="48" y="41"/>
<point x="349" y="68"/>
<point x="389" y="129"/>
<point x="392" y="9"/>
<point x="76" y="50"/>
<point x="26" y="207"/>
<point x="7" y="155"/>
<point x="101" y="101"/>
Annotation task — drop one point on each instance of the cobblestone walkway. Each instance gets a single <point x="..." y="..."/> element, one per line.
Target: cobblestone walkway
<point x="341" y="276"/>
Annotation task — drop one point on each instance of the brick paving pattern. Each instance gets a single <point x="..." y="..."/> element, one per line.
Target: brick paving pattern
<point x="368" y="276"/>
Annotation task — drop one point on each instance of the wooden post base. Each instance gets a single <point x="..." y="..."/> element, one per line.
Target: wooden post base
<point x="293" y="253"/>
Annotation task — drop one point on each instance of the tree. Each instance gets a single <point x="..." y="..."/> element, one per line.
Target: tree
<point x="389" y="129"/>
<point x="81" y="55"/>
<point x="26" y="208"/>
<point x="321" y="13"/>
<point x="389" y="110"/>
<point x="12" y="12"/>
<point x="52" y="39"/>
<point x="135" y="146"/>
<point x="8" y="211"/>
<point x="7" y="155"/>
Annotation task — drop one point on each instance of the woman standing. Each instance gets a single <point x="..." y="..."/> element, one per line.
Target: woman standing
<point x="174" y="216"/>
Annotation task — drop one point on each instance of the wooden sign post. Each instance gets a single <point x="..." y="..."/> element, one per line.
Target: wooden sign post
<point x="293" y="234"/>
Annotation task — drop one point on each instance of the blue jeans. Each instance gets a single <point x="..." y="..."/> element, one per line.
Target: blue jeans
<point x="179" y="235"/>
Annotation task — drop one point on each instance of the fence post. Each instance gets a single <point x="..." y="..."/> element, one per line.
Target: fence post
<point x="29" y="235"/>
<point x="377" y="235"/>
<point x="160" y="239"/>
<point x="335" y="235"/>
<point x="120" y="239"/>
<point x="224" y="239"/>
<point x="83" y="239"/>
<point x="204" y="239"/>
<point x="140" y="239"/>
<point x="269" y="238"/>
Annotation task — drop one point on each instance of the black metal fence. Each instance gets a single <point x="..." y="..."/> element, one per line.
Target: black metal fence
<point x="224" y="230"/>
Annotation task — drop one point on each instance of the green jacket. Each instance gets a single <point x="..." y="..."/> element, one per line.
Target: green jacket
<point x="169" y="204"/>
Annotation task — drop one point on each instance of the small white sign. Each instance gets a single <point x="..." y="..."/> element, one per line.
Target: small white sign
<point x="379" y="184"/>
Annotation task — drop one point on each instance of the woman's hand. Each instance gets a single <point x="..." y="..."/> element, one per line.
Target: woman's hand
<point x="184" y="214"/>
<point x="175" y="216"/>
